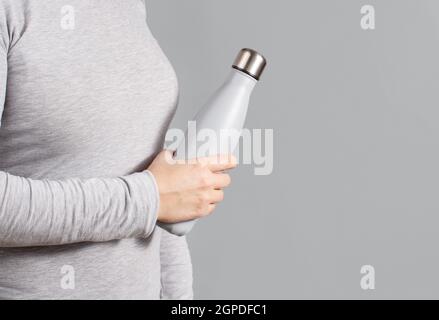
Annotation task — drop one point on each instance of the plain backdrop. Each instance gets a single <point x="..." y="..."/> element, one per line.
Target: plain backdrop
<point x="356" y="135"/>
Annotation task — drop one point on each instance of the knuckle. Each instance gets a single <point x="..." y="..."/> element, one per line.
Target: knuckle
<point x="205" y="179"/>
<point x="203" y="198"/>
<point x="196" y="167"/>
<point x="201" y="165"/>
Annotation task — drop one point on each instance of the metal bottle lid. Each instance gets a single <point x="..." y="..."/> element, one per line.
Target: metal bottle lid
<point x="250" y="62"/>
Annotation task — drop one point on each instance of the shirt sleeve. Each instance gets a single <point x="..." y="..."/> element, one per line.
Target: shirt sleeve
<point x="176" y="268"/>
<point x="55" y="212"/>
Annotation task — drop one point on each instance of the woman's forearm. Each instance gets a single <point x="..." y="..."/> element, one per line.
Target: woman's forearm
<point x="54" y="212"/>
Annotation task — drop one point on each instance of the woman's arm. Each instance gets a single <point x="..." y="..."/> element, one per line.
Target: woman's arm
<point x="43" y="212"/>
<point x="54" y="212"/>
<point x="176" y="268"/>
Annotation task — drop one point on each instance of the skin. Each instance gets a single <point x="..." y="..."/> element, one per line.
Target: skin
<point x="190" y="190"/>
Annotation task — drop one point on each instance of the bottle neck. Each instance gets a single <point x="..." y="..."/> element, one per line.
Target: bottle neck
<point x="239" y="78"/>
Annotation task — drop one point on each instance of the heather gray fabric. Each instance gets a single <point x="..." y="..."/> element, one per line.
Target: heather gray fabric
<point x="86" y="96"/>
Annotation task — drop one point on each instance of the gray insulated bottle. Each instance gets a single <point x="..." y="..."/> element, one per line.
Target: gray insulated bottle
<point x="222" y="119"/>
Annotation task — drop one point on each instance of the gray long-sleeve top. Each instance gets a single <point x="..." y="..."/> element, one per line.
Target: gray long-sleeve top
<point x="86" y="96"/>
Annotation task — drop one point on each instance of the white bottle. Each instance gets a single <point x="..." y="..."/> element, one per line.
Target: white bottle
<point x="222" y="117"/>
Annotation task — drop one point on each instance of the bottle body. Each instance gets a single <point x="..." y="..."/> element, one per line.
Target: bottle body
<point x="216" y="128"/>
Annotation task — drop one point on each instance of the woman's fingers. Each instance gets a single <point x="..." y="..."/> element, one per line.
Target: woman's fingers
<point x="219" y="163"/>
<point x="216" y="196"/>
<point x="221" y="180"/>
<point x="211" y="208"/>
<point x="190" y="190"/>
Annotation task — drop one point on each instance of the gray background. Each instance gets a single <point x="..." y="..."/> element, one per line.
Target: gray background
<point x="355" y="114"/>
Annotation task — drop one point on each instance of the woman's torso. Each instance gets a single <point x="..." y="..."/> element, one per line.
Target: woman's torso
<point x="89" y="94"/>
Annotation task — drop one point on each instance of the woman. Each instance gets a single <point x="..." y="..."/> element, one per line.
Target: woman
<point x="86" y="96"/>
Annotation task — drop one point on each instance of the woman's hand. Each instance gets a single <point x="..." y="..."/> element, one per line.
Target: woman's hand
<point x="190" y="189"/>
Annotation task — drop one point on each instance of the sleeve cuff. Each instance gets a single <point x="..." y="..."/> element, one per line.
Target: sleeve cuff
<point x="149" y="201"/>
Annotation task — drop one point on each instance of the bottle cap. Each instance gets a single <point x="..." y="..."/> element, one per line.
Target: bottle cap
<point x="250" y="62"/>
